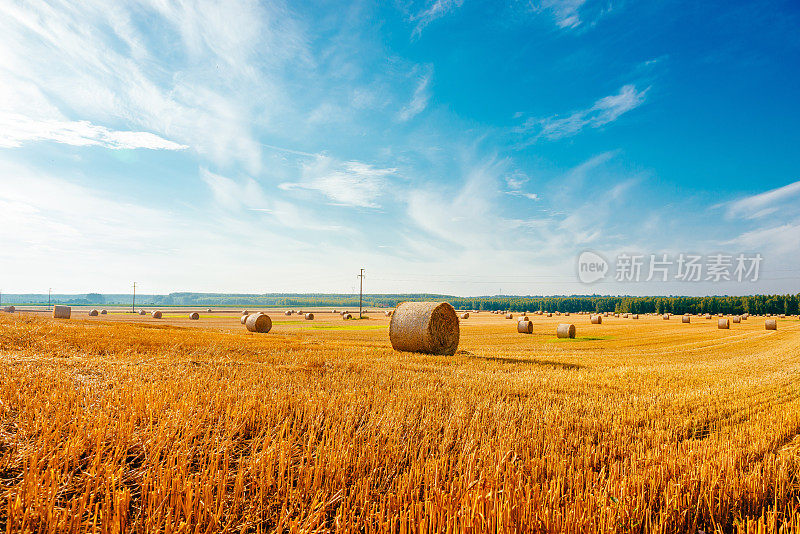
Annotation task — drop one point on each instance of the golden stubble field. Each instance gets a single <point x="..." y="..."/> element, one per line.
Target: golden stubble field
<point x="123" y="423"/>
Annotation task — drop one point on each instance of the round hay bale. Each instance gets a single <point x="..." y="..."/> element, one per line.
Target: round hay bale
<point x="597" y="319"/>
<point x="566" y="314"/>
<point x="9" y="309"/>
<point x="388" y="313"/>
<point x="244" y="319"/>
<point x="719" y="315"/>
<point x="524" y="318"/>
<point x="334" y="311"/>
<point x="93" y="313"/>
<point x="208" y="310"/>
<point x="525" y="327"/>
<point x="782" y="316"/>
<point x="737" y="319"/>
<point x="565" y="331"/>
<point x="549" y="314"/>
<point x="258" y="322"/>
<point x="723" y="324"/>
<point x="686" y="319"/>
<point x="428" y="327"/>
<point x="103" y="312"/>
<point x="635" y="316"/>
<point x="465" y="315"/>
<point x="194" y="316"/>
<point x="708" y="316"/>
<point x="62" y="312"/>
<point x="245" y="312"/>
<point x="287" y="313"/>
<point x="309" y="317"/>
<point x="745" y="316"/>
<point x="509" y="316"/>
<point x="616" y="315"/>
<point x="665" y="317"/>
<point x="343" y="313"/>
<point x="624" y="315"/>
<point x="156" y="315"/>
<point x="346" y="316"/>
<point x="771" y="324"/>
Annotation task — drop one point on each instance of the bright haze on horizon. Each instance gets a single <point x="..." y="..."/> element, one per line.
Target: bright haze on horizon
<point x="446" y="146"/>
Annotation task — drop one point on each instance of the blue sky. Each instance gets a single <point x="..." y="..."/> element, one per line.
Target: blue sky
<point x="450" y="146"/>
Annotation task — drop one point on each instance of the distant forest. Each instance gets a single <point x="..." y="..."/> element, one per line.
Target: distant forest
<point x="755" y="304"/>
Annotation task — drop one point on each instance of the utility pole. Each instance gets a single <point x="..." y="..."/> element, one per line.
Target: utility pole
<point x="49" y="291"/>
<point x="360" y="291"/>
<point x="133" y="304"/>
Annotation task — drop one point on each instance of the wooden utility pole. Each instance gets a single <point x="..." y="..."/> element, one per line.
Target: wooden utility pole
<point x="133" y="304"/>
<point x="360" y="291"/>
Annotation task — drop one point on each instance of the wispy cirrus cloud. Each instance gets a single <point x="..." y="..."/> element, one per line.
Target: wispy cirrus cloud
<point x="604" y="111"/>
<point x="17" y="129"/>
<point x="420" y="98"/>
<point x="349" y="183"/>
<point x="757" y="206"/>
<point x="434" y="11"/>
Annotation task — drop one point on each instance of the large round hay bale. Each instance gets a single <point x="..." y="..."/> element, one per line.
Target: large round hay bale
<point x="509" y="316"/>
<point x="771" y="324"/>
<point x="724" y="323"/>
<point x="346" y="316"/>
<point x="525" y="327"/>
<point x="737" y="319"/>
<point x="465" y="315"/>
<point x="243" y="319"/>
<point x="309" y="316"/>
<point x="93" y="313"/>
<point x="103" y="312"/>
<point x="428" y="327"/>
<point x="194" y="316"/>
<point x="258" y="322"/>
<point x="156" y="314"/>
<point x="62" y="312"/>
<point x="9" y="309"/>
<point x="597" y="319"/>
<point x="565" y="331"/>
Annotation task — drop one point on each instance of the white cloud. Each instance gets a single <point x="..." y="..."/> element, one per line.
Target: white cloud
<point x="758" y="206"/>
<point x="566" y="13"/>
<point x="349" y="183"/>
<point x="420" y="98"/>
<point x="234" y="195"/>
<point x="16" y="129"/>
<point x="604" y="111"/>
<point x="436" y="10"/>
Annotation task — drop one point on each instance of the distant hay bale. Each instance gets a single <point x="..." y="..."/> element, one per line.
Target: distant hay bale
<point x="745" y="316"/>
<point x="93" y="313"/>
<point x="565" y="331"/>
<point x="243" y="319"/>
<point x="723" y="324"/>
<point x="782" y="316"/>
<point x="771" y="324"/>
<point x="9" y="309"/>
<point x="245" y="312"/>
<point x="287" y="313"/>
<point x="344" y="312"/>
<point x="737" y="319"/>
<point x="309" y="316"/>
<point x="624" y="315"/>
<point x="566" y="314"/>
<point x="465" y="315"/>
<point x="525" y="327"/>
<point x="708" y="316"/>
<point x="719" y="315"/>
<point x="334" y="311"/>
<point x="346" y="316"/>
<point x="665" y="317"/>
<point x="62" y="312"/>
<point x="259" y="323"/>
<point x="635" y="316"/>
<point x="597" y="319"/>
<point x="156" y="314"/>
<point x="194" y="316"/>
<point x="509" y="316"/>
<point x="388" y="313"/>
<point x="549" y="314"/>
<point x="208" y="310"/>
<point x="616" y="315"/>
<point x="524" y="318"/>
<point x="427" y="327"/>
<point x="103" y="312"/>
<point x="686" y="319"/>
<point x="142" y="312"/>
